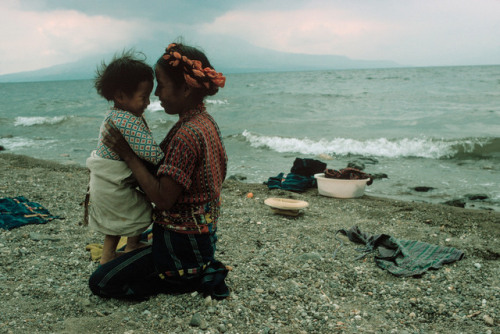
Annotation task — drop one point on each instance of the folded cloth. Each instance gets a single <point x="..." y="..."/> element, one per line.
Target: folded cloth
<point x="19" y="211"/>
<point x="291" y="182"/>
<point x="348" y="174"/>
<point x="403" y="257"/>
<point x="116" y="206"/>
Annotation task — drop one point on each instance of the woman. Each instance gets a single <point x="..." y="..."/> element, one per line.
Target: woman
<point x="185" y="190"/>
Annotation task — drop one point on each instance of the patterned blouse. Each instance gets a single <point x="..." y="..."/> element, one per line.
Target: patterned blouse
<point x="195" y="158"/>
<point x="135" y="131"/>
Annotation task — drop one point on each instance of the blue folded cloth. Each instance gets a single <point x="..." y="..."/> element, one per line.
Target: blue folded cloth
<point x="19" y="211"/>
<point x="291" y="182"/>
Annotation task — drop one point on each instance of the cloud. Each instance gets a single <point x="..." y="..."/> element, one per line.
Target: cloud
<point x="40" y="33"/>
<point x="310" y="31"/>
<point x="32" y="40"/>
<point x="409" y="32"/>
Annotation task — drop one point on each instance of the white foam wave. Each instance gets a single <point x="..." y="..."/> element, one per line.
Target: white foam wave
<point x="154" y="106"/>
<point x="216" y="102"/>
<point x="39" y="120"/>
<point x="14" y="143"/>
<point x="382" y="147"/>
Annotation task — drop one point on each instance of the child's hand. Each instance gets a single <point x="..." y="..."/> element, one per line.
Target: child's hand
<point x="114" y="140"/>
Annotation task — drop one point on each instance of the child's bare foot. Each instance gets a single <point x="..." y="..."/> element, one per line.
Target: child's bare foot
<point x="134" y="246"/>
<point x="107" y="256"/>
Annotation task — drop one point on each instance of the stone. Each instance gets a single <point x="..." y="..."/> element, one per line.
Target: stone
<point x="476" y="197"/>
<point x="237" y="177"/>
<point x="459" y="203"/>
<point x="423" y="189"/>
<point x="196" y="320"/>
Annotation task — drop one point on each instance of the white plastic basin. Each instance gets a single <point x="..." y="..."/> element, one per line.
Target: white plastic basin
<point x="340" y="188"/>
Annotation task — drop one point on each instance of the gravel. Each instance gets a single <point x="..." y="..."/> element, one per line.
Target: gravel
<point x="284" y="278"/>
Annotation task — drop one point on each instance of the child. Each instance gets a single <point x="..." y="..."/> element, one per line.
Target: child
<point x="117" y="207"/>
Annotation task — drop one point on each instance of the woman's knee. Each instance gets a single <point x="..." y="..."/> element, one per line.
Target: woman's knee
<point x="94" y="281"/>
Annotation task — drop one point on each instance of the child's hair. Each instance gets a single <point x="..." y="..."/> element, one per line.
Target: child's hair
<point x="124" y="73"/>
<point x="187" y="65"/>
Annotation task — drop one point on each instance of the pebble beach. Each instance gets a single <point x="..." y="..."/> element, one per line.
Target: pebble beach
<point x="284" y="276"/>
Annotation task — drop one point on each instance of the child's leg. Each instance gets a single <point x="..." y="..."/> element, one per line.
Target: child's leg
<point x="109" y="248"/>
<point x="133" y="243"/>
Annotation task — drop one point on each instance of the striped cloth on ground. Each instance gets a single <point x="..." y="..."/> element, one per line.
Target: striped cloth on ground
<point x="403" y="258"/>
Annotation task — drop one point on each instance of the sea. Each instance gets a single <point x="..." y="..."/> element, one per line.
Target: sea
<point x="424" y="128"/>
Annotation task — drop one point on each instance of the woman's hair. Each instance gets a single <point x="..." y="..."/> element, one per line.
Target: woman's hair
<point x="186" y="65"/>
<point x="124" y="73"/>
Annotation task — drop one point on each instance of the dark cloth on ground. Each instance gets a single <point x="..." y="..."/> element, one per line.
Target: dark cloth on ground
<point x="19" y="211"/>
<point x="403" y="257"/>
<point x="307" y="167"/>
<point x="348" y="174"/>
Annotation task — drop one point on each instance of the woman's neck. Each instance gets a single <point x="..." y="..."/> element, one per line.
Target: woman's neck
<point x="189" y="106"/>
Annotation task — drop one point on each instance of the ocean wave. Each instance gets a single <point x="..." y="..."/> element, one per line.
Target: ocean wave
<point x="14" y="143"/>
<point x="38" y="120"/>
<point x="154" y="106"/>
<point x="216" y="102"/>
<point x="381" y="147"/>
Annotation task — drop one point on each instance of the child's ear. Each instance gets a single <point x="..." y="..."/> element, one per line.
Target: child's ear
<point x="119" y="96"/>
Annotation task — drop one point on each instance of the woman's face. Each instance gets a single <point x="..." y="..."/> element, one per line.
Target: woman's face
<point x="172" y="99"/>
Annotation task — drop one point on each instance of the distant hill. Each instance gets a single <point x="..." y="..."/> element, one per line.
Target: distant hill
<point x="241" y="58"/>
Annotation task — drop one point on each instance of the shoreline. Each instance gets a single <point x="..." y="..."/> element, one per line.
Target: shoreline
<point x="285" y="279"/>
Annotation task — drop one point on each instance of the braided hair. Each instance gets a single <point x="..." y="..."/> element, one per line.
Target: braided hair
<point x="186" y="65"/>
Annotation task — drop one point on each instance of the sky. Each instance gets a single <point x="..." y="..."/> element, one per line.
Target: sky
<point x="35" y="34"/>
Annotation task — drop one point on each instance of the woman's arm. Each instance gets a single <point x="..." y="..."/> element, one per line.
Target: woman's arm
<point x="162" y="191"/>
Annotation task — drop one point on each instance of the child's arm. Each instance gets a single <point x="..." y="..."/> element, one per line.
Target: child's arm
<point x="162" y="191"/>
<point x="137" y="134"/>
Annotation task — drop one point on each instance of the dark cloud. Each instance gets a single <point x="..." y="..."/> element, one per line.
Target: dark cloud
<point x="171" y="11"/>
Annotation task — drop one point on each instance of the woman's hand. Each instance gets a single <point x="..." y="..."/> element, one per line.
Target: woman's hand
<point x="162" y="191"/>
<point x="114" y="140"/>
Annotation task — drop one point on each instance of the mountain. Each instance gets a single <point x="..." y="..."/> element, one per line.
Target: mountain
<point x="239" y="58"/>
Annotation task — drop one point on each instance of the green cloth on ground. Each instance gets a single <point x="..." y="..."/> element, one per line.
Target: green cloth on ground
<point x="19" y="211"/>
<point x="403" y="257"/>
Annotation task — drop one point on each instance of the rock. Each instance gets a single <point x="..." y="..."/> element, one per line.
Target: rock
<point x="237" y="177"/>
<point x="325" y="156"/>
<point x="460" y="203"/>
<point x="196" y="320"/>
<point x="378" y="176"/>
<point x="476" y="197"/>
<point x="488" y="320"/>
<point x="423" y="189"/>
<point x="356" y="164"/>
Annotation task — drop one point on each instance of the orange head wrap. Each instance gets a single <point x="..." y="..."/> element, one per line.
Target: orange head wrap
<point x="194" y="74"/>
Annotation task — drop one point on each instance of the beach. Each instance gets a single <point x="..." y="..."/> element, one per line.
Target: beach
<point x="284" y="276"/>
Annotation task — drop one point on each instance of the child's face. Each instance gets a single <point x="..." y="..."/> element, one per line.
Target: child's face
<point x="139" y="101"/>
